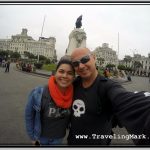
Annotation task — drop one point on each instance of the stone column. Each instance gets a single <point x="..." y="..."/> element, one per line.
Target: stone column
<point x="77" y="38"/>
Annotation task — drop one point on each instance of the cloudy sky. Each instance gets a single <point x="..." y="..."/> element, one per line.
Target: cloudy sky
<point x="102" y="23"/>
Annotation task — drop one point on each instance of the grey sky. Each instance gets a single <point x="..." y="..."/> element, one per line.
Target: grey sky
<point x="100" y="22"/>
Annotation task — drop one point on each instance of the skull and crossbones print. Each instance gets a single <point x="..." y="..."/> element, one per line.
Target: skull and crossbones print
<point x="78" y="108"/>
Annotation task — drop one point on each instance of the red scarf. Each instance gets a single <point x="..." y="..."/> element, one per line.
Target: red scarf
<point x="60" y="99"/>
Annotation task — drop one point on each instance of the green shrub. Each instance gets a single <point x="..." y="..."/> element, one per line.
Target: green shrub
<point x="49" y="67"/>
<point x="38" y="65"/>
<point x="101" y="72"/>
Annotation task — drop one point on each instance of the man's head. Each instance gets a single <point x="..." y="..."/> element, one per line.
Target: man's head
<point x="84" y="63"/>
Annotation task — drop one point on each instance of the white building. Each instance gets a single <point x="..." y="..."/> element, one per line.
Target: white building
<point x="107" y="54"/>
<point x="22" y="42"/>
<point x="144" y="61"/>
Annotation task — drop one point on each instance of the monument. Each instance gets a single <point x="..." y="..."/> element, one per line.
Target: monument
<point x="77" y="37"/>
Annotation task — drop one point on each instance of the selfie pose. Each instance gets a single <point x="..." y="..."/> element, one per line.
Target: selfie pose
<point x="98" y="100"/>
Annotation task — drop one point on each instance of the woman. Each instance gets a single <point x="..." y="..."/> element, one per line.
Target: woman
<point x="48" y="109"/>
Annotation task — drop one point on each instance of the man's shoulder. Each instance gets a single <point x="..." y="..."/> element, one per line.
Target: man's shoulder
<point x="102" y="78"/>
<point x="103" y="81"/>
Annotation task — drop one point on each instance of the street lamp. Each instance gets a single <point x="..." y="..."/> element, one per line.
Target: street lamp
<point x="6" y="43"/>
<point x="41" y="37"/>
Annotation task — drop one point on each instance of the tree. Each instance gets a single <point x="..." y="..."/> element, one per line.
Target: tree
<point x="29" y="55"/>
<point x="10" y="52"/>
<point x="129" y="69"/>
<point x="127" y="59"/>
<point x="137" y="65"/>
<point x="100" y="60"/>
<point x="38" y="65"/>
<point x="48" y="61"/>
<point x="15" y="55"/>
<point x="110" y="65"/>
<point x="121" y="67"/>
<point x="4" y="54"/>
<point x="41" y="57"/>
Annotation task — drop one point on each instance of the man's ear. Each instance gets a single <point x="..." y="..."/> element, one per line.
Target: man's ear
<point x="94" y="57"/>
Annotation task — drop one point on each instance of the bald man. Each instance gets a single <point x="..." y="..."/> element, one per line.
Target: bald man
<point x="96" y="101"/>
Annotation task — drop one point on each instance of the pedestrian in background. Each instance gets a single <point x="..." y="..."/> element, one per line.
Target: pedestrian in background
<point x="106" y="73"/>
<point x="48" y="108"/>
<point x="7" y="65"/>
<point x="149" y="76"/>
<point x="3" y="63"/>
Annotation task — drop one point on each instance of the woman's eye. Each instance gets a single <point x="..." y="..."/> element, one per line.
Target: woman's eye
<point x="61" y="71"/>
<point x="70" y="73"/>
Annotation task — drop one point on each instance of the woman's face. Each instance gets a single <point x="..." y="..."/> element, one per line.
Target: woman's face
<point x="64" y="75"/>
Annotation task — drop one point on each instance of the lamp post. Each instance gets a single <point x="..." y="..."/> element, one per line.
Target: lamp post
<point x="6" y="43"/>
<point x="118" y="45"/>
<point x="41" y="37"/>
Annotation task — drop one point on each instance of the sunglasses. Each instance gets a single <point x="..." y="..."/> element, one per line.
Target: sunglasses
<point x="83" y="60"/>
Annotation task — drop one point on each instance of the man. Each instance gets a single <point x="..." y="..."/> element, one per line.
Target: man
<point x="96" y="101"/>
<point x="149" y="76"/>
<point x="7" y="66"/>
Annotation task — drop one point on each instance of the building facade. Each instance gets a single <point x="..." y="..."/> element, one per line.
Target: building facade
<point x="22" y="42"/>
<point x="144" y="63"/>
<point x="108" y="55"/>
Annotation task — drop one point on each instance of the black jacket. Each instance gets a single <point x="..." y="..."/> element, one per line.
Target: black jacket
<point x="101" y="101"/>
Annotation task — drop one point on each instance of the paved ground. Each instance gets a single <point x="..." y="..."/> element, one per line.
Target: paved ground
<point x="14" y="89"/>
<point x="137" y="84"/>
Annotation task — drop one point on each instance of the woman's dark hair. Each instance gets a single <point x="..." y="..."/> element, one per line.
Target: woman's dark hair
<point x="65" y="60"/>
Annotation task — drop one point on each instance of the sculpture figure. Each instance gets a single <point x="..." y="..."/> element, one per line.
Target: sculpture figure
<point x="78" y="22"/>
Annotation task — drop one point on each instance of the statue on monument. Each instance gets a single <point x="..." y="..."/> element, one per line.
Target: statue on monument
<point x="77" y="37"/>
<point x="78" y="22"/>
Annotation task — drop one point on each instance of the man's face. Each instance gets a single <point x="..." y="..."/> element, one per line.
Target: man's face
<point x="84" y="63"/>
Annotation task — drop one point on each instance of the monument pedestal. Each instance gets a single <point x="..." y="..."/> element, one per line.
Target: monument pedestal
<point x="77" y="38"/>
